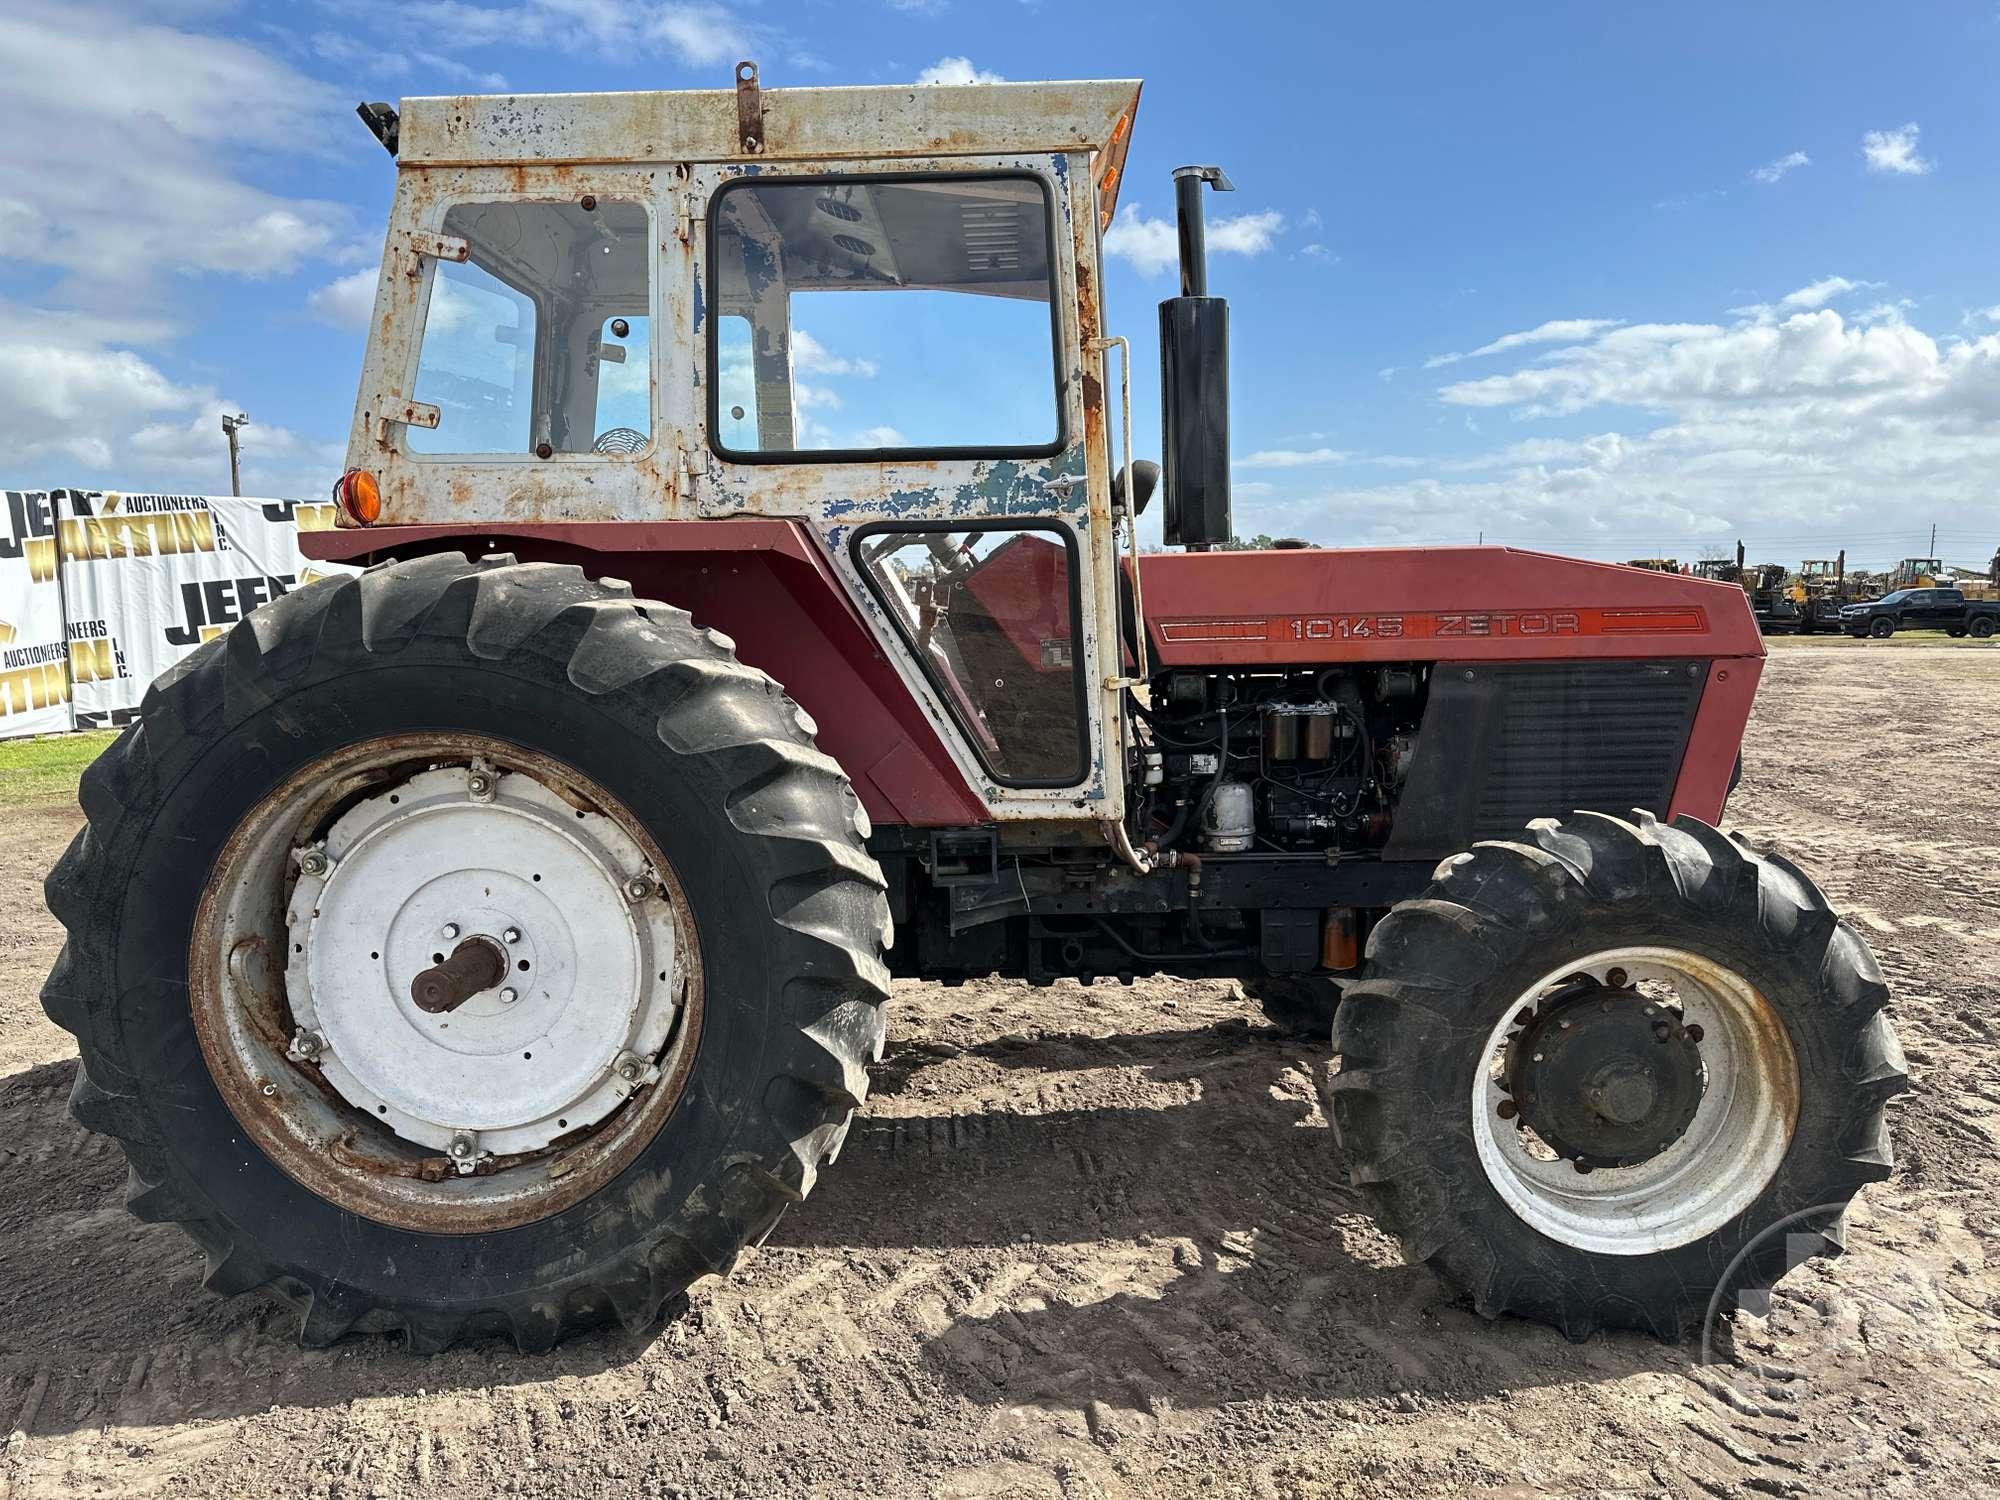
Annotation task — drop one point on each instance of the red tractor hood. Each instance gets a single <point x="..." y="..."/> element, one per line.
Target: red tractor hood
<point x="1430" y="603"/>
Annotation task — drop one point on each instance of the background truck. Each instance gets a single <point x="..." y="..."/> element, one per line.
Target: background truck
<point x="500" y="939"/>
<point x="1945" y="609"/>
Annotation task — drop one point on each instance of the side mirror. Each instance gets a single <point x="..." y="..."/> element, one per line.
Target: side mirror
<point x="1144" y="477"/>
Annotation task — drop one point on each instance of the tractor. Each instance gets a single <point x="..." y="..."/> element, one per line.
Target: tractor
<point x="749" y="611"/>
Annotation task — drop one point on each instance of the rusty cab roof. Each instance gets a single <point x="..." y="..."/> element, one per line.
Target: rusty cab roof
<point x="803" y="124"/>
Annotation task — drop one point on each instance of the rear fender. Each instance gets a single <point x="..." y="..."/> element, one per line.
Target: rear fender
<point x="765" y="585"/>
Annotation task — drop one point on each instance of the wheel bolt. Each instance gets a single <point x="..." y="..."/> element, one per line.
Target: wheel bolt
<point x="1615" y="978"/>
<point x="511" y="935"/>
<point x="448" y="931"/>
<point x="508" y="997"/>
<point x="312" y="862"/>
<point x="638" y="888"/>
<point x="479" y="786"/>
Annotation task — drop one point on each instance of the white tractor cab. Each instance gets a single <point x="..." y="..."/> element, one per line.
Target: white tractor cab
<point x="636" y="309"/>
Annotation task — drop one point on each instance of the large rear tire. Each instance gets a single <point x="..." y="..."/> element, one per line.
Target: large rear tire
<point x="1680" y="1017"/>
<point x="689" y="828"/>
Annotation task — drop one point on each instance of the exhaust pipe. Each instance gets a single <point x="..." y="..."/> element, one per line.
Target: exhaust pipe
<point x="1194" y="382"/>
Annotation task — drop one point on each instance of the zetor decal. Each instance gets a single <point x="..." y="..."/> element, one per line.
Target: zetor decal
<point x="1442" y="625"/>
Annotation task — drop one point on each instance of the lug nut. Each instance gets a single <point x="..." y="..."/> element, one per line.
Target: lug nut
<point x="312" y="862"/>
<point x="1508" y="1109"/>
<point x="511" y="935"/>
<point x="449" y="931"/>
<point x="479" y="786"/>
<point x="628" y="1071"/>
<point x="1616" y="979"/>
<point x="638" y="888"/>
<point x="508" y="997"/>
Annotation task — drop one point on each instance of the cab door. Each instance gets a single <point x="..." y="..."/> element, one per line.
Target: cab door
<point x="891" y="353"/>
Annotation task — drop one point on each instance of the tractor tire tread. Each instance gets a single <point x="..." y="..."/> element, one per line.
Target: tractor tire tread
<point x="826" y="896"/>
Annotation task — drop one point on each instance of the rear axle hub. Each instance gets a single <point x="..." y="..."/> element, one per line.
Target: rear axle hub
<point x="1604" y="1077"/>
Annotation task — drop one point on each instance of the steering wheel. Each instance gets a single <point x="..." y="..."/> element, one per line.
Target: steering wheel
<point x="619" y="440"/>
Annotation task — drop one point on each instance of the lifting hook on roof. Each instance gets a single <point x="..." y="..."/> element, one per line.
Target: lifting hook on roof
<point x="749" y="109"/>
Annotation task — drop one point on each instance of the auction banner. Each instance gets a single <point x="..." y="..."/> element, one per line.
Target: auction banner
<point x="148" y="578"/>
<point x="34" y="682"/>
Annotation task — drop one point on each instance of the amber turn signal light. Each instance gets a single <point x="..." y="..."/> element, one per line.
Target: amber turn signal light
<point x="360" y="496"/>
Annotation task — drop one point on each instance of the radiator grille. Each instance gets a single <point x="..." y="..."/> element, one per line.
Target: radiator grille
<point x="1503" y="744"/>
<point x="1598" y="736"/>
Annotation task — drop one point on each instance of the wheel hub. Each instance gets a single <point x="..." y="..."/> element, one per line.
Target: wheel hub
<point x="478" y="964"/>
<point x="1604" y="1077"/>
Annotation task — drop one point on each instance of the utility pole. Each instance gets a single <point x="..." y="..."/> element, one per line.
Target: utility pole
<point x="230" y="427"/>
<point x="1933" y="551"/>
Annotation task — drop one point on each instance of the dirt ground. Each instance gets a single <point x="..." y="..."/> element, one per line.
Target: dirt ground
<point x="1095" y="1243"/>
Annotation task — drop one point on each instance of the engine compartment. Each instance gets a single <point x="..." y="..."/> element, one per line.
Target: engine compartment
<point x="1285" y="760"/>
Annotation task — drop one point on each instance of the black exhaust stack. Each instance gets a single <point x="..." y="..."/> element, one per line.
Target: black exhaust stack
<point x="1194" y="382"/>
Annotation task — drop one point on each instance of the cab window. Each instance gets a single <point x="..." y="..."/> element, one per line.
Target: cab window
<point x="539" y="341"/>
<point x="861" y="316"/>
<point x="991" y="613"/>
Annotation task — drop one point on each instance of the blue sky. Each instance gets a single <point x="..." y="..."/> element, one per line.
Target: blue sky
<point x="1713" y="270"/>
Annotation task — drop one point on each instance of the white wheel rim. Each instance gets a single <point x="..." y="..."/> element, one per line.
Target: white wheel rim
<point x="337" y="887"/>
<point x="1715" y="1170"/>
<point x="424" y="866"/>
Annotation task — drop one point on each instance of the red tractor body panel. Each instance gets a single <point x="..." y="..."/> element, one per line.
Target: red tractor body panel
<point x="1464" y="604"/>
<point x="1430" y="604"/>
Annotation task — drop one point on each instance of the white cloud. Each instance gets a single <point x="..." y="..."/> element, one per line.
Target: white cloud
<point x="1293" y="458"/>
<point x="1813" y="295"/>
<point x="956" y="70"/>
<point x="880" y="437"/>
<point x="128" y="154"/>
<point x="1774" y="171"/>
<point x="1555" y="331"/>
<point x="1800" y="434"/>
<point x="1317" y="251"/>
<point x="1821" y="292"/>
<point x="696" y="35"/>
<point x="347" y="303"/>
<point x="811" y="357"/>
<point x="1153" y="245"/>
<point x="814" y="397"/>
<point x="1247" y="234"/>
<point x="1895" y="152"/>
<point x="1810" y="355"/>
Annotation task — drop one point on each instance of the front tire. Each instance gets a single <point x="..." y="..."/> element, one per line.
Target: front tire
<point x="1882" y="629"/>
<point x="604" y="734"/>
<point x="1750" y="1099"/>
